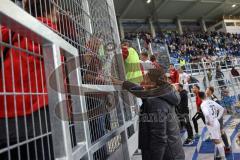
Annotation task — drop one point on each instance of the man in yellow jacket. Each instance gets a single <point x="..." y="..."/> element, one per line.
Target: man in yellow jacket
<point x="134" y="72"/>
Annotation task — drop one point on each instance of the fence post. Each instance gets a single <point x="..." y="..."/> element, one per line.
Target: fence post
<point x="87" y="19"/>
<point x="205" y="74"/>
<point x="121" y="98"/>
<point x="60" y="127"/>
<point x="139" y="45"/>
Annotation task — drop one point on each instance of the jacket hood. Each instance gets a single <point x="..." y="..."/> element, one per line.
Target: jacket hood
<point x="172" y="97"/>
<point x="165" y="92"/>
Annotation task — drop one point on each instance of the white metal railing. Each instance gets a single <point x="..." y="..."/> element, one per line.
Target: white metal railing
<point x="225" y="87"/>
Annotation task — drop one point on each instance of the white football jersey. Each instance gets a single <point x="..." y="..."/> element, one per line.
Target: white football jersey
<point x="211" y="110"/>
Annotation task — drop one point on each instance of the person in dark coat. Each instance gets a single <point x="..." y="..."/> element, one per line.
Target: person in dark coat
<point x="220" y="77"/>
<point x="235" y="74"/>
<point x="183" y="112"/>
<point x="159" y="134"/>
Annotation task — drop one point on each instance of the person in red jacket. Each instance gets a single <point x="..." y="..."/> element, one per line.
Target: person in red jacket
<point x="199" y="114"/>
<point x="24" y="102"/>
<point x="174" y="75"/>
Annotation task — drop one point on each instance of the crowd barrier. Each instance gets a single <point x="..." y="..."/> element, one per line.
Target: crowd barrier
<point x="56" y="98"/>
<point x="227" y="88"/>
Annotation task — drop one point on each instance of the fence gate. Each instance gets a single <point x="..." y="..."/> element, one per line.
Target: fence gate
<point x="57" y="99"/>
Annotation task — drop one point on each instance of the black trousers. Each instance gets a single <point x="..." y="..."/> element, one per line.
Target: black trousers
<point x="185" y="122"/>
<point x="37" y="146"/>
<point x="196" y="117"/>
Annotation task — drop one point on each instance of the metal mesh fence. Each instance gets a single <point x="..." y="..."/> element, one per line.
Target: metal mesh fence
<point x="89" y="125"/>
<point x="25" y="121"/>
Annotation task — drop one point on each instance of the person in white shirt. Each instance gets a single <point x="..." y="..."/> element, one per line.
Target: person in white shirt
<point x="184" y="77"/>
<point x="212" y="112"/>
<point x="210" y="94"/>
<point x="145" y="62"/>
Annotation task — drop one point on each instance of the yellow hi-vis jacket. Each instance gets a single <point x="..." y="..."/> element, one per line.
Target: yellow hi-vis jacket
<point x="182" y="62"/>
<point x="132" y="67"/>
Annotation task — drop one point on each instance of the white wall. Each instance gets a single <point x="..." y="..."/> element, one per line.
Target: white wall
<point x="225" y="28"/>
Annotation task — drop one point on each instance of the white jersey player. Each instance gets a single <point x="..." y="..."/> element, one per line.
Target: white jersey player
<point x="212" y="112"/>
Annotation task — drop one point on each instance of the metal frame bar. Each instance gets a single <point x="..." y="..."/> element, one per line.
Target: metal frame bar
<point x="20" y="21"/>
<point x="60" y="128"/>
<point x="54" y="47"/>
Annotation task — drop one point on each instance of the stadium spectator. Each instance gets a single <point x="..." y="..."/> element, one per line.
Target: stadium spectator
<point x="132" y="63"/>
<point x="26" y="114"/>
<point x="199" y="114"/>
<point x="238" y="139"/>
<point x="194" y="47"/>
<point x="183" y="112"/>
<point x="220" y="77"/>
<point x="184" y="77"/>
<point x="209" y="77"/>
<point x="210" y="95"/>
<point x="145" y="62"/>
<point x="159" y="135"/>
<point x="174" y="75"/>
<point x="235" y="74"/>
<point x="155" y="64"/>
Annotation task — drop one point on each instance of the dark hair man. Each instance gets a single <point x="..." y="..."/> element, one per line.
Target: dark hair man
<point x="235" y="72"/>
<point x="183" y="112"/>
<point x="154" y="62"/>
<point x="212" y="112"/>
<point x="235" y="75"/>
<point x="145" y="62"/>
<point x="199" y="114"/>
<point x="159" y="135"/>
<point x="132" y="65"/>
<point x="211" y="96"/>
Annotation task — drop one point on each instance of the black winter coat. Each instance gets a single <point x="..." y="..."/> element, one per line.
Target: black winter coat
<point x="183" y="105"/>
<point x="159" y="135"/>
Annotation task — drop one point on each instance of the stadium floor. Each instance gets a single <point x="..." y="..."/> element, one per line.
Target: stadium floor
<point x="204" y="150"/>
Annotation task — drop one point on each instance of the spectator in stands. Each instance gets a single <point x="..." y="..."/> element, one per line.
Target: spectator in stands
<point x="174" y="75"/>
<point x="209" y="76"/>
<point x="210" y="95"/>
<point x="184" y="77"/>
<point x="145" y="62"/>
<point x="193" y="47"/>
<point x="159" y="136"/>
<point x="235" y="74"/>
<point x="199" y="114"/>
<point x="183" y="112"/>
<point x="238" y="139"/>
<point x="27" y="113"/>
<point x="220" y="76"/>
<point x="132" y="63"/>
<point x="155" y="64"/>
